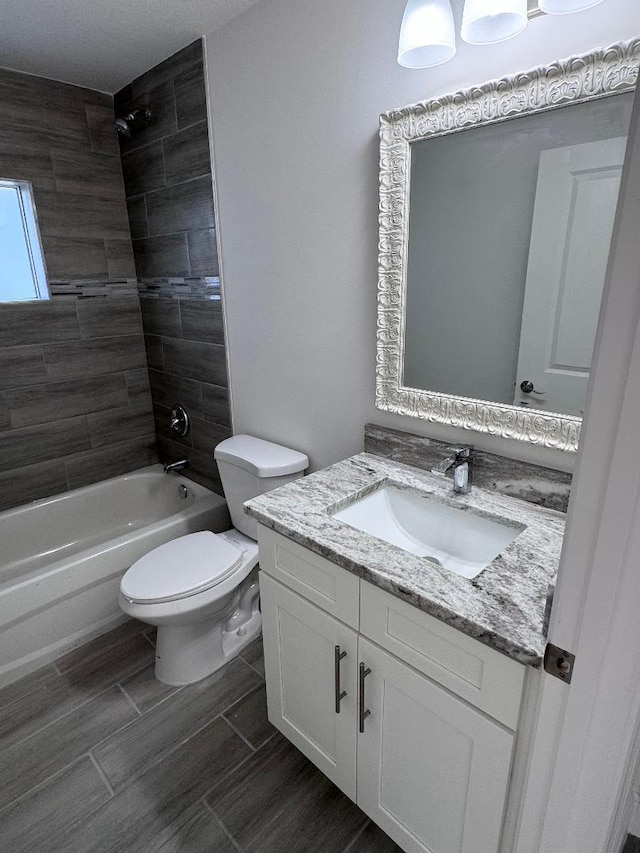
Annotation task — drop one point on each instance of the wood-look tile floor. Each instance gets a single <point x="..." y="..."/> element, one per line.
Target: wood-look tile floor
<point x="96" y="756"/>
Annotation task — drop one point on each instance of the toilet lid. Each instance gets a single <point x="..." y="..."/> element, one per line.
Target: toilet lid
<point x="179" y="568"/>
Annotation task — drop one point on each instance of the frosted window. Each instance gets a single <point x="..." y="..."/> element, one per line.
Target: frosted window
<point x="22" y="273"/>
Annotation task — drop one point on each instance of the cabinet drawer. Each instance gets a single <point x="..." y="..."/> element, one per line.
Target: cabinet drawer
<point x="326" y="585"/>
<point x="473" y="671"/>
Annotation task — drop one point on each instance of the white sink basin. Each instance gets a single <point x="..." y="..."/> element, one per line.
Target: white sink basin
<point x="459" y="540"/>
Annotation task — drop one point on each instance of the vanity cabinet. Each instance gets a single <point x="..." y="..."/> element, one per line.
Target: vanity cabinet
<point x="412" y="719"/>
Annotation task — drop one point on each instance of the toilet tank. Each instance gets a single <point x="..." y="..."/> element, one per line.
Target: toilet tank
<point x="250" y="467"/>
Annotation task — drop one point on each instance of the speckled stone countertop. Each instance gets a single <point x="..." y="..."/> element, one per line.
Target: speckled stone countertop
<point x="503" y="606"/>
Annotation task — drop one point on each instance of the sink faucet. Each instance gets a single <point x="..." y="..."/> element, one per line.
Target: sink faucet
<point x="461" y="464"/>
<point x="175" y="466"/>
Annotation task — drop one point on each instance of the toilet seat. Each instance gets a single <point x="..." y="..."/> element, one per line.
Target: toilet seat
<point x="181" y="568"/>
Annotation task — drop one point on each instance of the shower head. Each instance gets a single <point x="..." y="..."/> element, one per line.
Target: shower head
<point x="133" y="121"/>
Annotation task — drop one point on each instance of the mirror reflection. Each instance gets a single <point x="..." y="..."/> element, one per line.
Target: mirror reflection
<point x="509" y="233"/>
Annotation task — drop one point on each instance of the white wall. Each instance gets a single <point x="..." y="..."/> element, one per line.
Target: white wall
<point x="296" y="88"/>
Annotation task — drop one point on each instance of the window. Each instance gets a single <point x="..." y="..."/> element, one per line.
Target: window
<point x="22" y="273"/>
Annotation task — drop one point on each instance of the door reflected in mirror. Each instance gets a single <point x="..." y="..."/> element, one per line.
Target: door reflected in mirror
<point x="509" y="233"/>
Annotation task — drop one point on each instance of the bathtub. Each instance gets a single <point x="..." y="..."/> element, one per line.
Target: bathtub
<point x="61" y="558"/>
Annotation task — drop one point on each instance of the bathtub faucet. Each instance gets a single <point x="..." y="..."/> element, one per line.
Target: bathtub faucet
<point x="175" y="466"/>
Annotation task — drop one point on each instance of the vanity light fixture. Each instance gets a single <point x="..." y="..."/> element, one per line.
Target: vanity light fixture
<point x="491" y="21"/>
<point x="427" y="34"/>
<point x="565" y="7"/>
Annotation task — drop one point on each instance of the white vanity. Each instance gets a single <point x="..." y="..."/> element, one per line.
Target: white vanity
<point x="421" y="723"/>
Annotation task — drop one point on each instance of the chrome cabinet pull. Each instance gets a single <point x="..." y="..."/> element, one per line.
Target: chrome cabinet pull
<point x="338" y="693"/>
<point x="364" y="672"/>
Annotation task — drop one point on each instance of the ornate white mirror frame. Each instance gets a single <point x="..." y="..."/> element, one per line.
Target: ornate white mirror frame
<point x="608" y="71"/>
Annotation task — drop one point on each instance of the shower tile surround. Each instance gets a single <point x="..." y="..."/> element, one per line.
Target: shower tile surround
<point x="167" y="176"/>
<point x="75" y="397"/>
<point x="75" y="405"/>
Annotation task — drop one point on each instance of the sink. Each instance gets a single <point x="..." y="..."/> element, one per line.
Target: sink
<point x="459" y="540"/>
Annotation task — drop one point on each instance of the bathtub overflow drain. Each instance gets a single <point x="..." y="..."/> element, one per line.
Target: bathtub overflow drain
<point x="183" y="491"/>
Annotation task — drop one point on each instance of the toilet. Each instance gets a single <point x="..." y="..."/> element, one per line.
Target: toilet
<point x="201" y="590"/>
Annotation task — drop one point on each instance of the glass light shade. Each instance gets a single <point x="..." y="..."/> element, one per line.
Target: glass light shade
<point x="427" y="34"/>
<point x="565" y="7"/>
<point x="490" y="21"/>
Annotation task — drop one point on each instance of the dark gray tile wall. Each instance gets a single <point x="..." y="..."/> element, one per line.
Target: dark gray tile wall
<point x="62" y="139"/>
<point x="167" y="173"/>
<point x="186" y="356"/>
<point x="167" y="170"/>
<point x="75" y="404"/>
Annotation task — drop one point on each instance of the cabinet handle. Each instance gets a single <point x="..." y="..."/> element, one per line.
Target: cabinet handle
<point x="338" y="693"/>
<point x="364" y="672"/>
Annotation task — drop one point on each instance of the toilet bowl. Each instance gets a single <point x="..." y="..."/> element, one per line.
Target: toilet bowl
<point x="201" y="590"/>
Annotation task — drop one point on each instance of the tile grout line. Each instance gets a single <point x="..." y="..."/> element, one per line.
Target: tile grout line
<point x="221" y="825"/>
<point x="356" y="836"/>
<point x="129" y="699"/>
<point x="103" y="776"/>
<point x="238" y="732"/>
<point x="16" y="800"/>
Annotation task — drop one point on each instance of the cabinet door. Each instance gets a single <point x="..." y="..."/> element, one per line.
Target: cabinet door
<point x="300" y="660"/>
<point x="432" y="771"/>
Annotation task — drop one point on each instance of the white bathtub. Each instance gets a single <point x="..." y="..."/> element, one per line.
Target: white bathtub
<point x="61" y="559"/>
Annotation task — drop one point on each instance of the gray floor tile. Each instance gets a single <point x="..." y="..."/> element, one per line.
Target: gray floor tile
<point x="37" y="709"/>
<point x="254" y="655"/>
<point x="111" y="665"/>
<point x="195" y="830"/>
<point x="33" y="683"/>
<point x="133" y="750"/>
<point x="632" y="845"/>
<point x="277" y="800"/>
<point x="138" y="817"/>
<point x="373" y="840"/>
<point x="144" y="689"/>
<point x="95" y="648"/>
<point x="249" y="717"/>
<point x="30" y="762"/>
<point x="28" y="825"/>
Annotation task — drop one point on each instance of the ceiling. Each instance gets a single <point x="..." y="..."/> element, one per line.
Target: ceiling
<point x="103" y="44"/>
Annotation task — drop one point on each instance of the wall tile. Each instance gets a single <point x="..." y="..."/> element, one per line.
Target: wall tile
<point x="111" y="427"/>
<point x="202" y="321"/>
<point x="58" y="400"/>
<point x="89" y="467"/>
<point x="102" y="131"/>
<point x="162" y="256"/>
<point x="98" y="317"/>
<point x="203" y="252"/>
<point x="186" y="154"/>
<point x="205" y="435"/>
<point x="195" y="360"/>
<point x="183" y="207"/>
<point x="161" y="317"/>
<point x="120" y="261"/>
<point x="137" y="211"/>
<point x="94" y="216"/>
<point x="38" y="322"/>
<point x="168" y="390"/>
<point x="143" y="169"/>
<point x="85" y="172"/>
<point x="153" y="346"/>
<point x="21" y="485"/>
<point x="21" y="447"/>
<point x="137" y="383"/>
<point x="215" y="404"/>
<point x="165" y="71"/>
<point x="21" y="365"/>
<point x="94" y="357"/>
<point x="75" y="257"/>
<point x="191" y="98"/>
<point x="5" y="419"/>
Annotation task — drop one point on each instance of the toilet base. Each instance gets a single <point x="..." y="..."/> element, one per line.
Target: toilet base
<point x="188" y="653"/>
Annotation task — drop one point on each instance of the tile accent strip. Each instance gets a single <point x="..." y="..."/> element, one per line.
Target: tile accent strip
<point x="533" y="483"/>
<point x="202" y="288"/>
<point x="91" y="288"/>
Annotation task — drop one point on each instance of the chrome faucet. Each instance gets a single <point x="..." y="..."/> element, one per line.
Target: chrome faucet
<point x="175" y="466"/>
<point x="461" y="464"/>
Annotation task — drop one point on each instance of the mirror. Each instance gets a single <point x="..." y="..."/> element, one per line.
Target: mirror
<point x="496" y="212"/>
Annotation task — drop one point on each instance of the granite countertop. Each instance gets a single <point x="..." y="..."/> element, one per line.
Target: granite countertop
<point x="503" y="606"/>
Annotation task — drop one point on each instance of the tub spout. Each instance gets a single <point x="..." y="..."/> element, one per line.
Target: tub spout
<point x="175" y="466"/>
